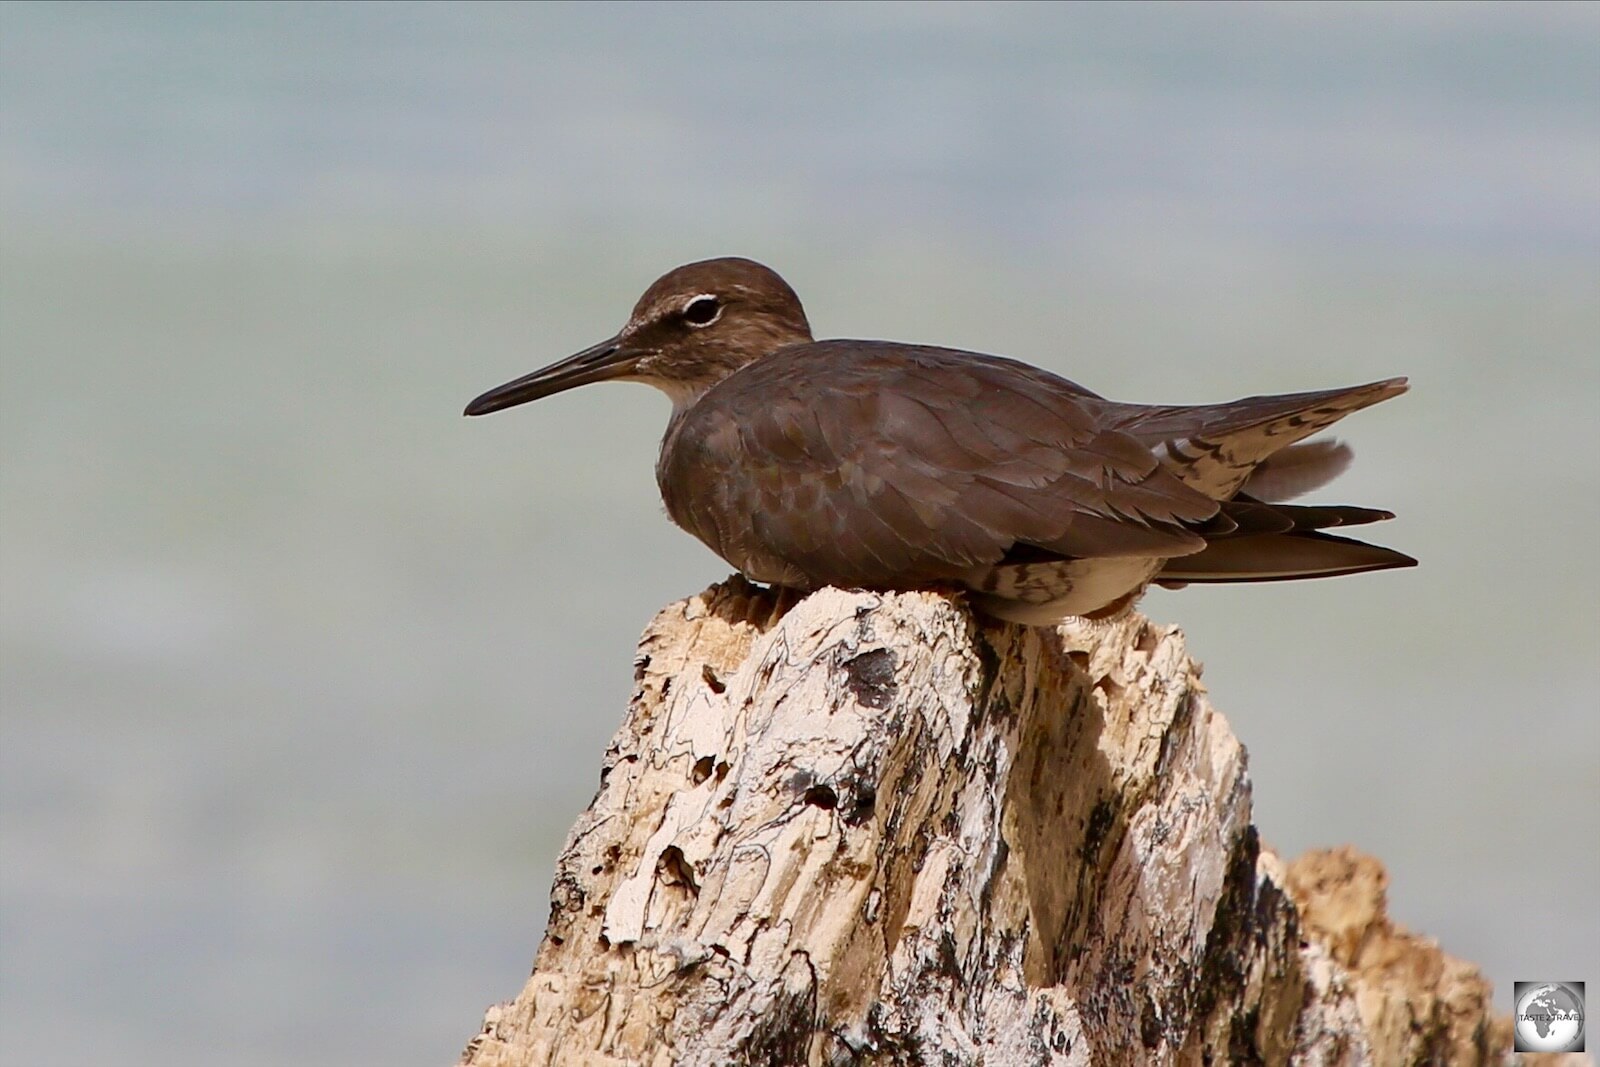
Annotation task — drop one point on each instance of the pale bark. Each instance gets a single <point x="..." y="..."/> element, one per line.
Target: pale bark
<point x="874" y="829"/>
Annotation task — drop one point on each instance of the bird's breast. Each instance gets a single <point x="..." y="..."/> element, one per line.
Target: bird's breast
<point x="708" y="498"/>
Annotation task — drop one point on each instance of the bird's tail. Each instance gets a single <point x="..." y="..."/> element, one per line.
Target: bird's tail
<point x="1279" y="557"/>
<point x="1298" y="469"/>
<point x="1252" y="541"/>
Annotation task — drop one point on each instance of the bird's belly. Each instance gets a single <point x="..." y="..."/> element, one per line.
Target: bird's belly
<point x="1046" y="592"/>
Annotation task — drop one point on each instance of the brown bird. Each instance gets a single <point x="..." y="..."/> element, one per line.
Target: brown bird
<point x="873" y="464"/>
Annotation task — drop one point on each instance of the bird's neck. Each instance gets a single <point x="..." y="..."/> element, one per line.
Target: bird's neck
<point x="684" y="394"/>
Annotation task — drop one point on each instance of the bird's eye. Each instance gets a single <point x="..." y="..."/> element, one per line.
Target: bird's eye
<point x="702" y="311"/>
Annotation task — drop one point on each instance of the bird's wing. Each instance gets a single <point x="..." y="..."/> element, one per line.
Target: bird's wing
<point x="860" y="463"/>
<point x="1215" y="447"/>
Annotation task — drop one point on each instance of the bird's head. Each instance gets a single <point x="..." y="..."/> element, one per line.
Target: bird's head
<point x="695" y="326"/>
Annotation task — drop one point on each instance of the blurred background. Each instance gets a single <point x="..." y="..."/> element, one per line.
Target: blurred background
<point x="305" y="676"/>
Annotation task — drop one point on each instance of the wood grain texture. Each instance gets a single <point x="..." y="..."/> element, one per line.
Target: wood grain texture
<point x="870" y="828"/>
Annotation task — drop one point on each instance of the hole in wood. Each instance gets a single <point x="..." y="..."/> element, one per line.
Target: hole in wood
<point x="702" y="769"/>
<point x="820" y="796"/>
<point x="673" y="869"/>
<point x="866" y="803"/>
<point x="711" y="679"/>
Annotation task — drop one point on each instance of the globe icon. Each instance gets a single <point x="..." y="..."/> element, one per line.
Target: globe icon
<point x="1549" y="1018"/>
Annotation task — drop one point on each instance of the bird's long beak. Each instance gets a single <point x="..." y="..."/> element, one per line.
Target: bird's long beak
<point x="608" y="359"/>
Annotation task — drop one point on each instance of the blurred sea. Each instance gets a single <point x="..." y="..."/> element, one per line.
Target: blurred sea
<point x="305" y="676"/>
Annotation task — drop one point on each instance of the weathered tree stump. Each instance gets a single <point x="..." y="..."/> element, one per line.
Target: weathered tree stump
<point x="875" y="829"/>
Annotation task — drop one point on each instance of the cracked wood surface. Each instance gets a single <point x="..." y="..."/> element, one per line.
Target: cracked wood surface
<point x="873" y="829"/>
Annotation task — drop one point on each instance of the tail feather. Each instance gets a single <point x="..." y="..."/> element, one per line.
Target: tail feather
<point x="1298" y="469"/>
<point x="1280" y="557"/>
<point x="1245" y="516"/>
